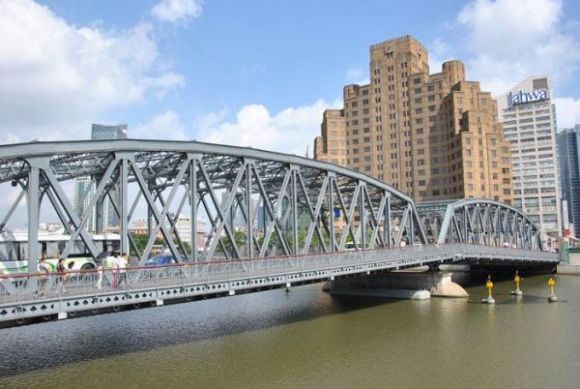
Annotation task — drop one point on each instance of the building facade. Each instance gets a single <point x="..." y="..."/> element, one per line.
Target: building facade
<point x="100" y="132"/>
<point x="529" y="121"/>
<point x="569" y="164"/>
<point x="140" y="226"/>
<point x="432" y="136"/>
<point x="330" y="146"/>
<point x="83" y="190"/>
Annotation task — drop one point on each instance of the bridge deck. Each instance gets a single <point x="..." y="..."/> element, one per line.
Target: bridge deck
<point x="26" y="297"/>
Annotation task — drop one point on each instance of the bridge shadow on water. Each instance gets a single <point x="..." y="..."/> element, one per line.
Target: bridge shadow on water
<point x="52" y="344"/>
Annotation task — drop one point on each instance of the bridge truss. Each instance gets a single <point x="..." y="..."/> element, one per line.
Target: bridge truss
<point x="257" y="203"/>
<point x="479" y="221"/>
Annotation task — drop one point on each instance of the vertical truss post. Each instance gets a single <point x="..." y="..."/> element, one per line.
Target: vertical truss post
<point x="150" y="186"/>
<point x="332" y="181"/>
<point x="124" y="205"/>
<point x="193" y="202"/>
<point x="362" y="216"/>
<point x="465" y="225"/>
<point x="230" y="212"/>
<point x="387" y="222"/>
<point x="99" y="208"/>
<point x="249" y="206"/>
<point x="294" y="210"/>
<point x="412" y="225"/>
<point x="33" y="202"/>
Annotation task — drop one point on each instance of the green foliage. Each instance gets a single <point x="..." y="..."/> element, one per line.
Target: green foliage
<point x="239" y="237"/>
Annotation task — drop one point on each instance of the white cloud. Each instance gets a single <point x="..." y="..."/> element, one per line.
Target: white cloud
<point x="439" y="52"/>
<point x="357" y="76"/>
<point x="177" y="10"/>
<point x="513" y="39"/>
<point x="517" y="25"/>
<point x="57" y="77"/>
<point x="211" y="119"/>
<point x="167" y="125"/>
<point x="290" y="130"/>
<point x="567" y="111"/>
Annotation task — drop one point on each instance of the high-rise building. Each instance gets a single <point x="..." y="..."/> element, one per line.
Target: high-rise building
<point x="569" y="163"/>
<point x="100" y="132"/>
<point x="529" y="120"/>
<point x="139" y="226"/>
<point x="331" y="145"/>
<point x="84" y="187"/>
<point x="103" y="132"/>
<point x="432" y="136"/>
<point x="83" y="190"/>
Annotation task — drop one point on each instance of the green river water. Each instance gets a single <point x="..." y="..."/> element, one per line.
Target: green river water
<point x="308" y="339"/>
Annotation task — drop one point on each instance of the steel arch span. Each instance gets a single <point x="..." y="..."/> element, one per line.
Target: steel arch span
<point x="479" y="221"/>
<point x="258" y="203"/>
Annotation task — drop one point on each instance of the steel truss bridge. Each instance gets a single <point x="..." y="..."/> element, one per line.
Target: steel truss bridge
<point x="275" y="220"/>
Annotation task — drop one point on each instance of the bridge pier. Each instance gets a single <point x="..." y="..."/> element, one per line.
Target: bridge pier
<point x="413" y="285"/>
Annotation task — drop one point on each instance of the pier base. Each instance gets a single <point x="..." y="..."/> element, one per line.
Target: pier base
<point x="398" y="285"/>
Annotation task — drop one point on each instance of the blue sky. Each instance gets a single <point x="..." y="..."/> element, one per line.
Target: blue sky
<point x="254" y="73"/>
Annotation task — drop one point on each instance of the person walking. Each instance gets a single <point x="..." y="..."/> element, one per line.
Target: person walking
<point x="115" y="270"/>
<point x="62" y="275"/>
<point x="122" y="266"/>
<point x="101" y="258"/>
<point x="44" y="270"/>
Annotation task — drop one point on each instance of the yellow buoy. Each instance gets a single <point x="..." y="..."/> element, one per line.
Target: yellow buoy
<point x="552" y="284"/>
<point x="517" y="280"/>
<point x="489" y="286"/>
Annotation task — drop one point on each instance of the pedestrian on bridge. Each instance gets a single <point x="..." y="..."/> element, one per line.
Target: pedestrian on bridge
<point x="44" y="270"/>
<point x="122" y="268"/>
<point x="62" y="274"/>
<point x="101" y="258"/>
<point x="115" y="270"/>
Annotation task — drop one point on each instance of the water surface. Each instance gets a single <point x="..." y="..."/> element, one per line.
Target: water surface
<point x="308" y="339"/>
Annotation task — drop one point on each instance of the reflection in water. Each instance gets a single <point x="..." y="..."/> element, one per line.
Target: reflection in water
<point x="307" y="338"/>
<point x="54" y="343"/>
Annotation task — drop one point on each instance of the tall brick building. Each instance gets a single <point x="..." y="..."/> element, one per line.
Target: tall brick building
<point x="433" y="136"/>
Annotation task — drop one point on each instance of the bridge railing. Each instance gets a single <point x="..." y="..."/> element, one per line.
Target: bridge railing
<point x="474" y="250"/>
<point x="31" y="287"/>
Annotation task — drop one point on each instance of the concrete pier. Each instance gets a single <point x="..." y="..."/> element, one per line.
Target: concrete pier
<point x="569" y="269"/>
<point x="399" y="285"/>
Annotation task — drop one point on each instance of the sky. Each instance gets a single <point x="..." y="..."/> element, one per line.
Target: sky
<point x="252" y="72"/>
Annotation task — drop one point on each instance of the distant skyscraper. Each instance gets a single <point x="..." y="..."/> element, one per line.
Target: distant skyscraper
<point x="84" y="187"/>
<point x="100" y="132"/>
<point x="529" y="120"/>
<point x="568" y="149"/>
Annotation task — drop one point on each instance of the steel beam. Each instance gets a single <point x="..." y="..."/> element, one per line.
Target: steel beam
<point x="33" y="201"/>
